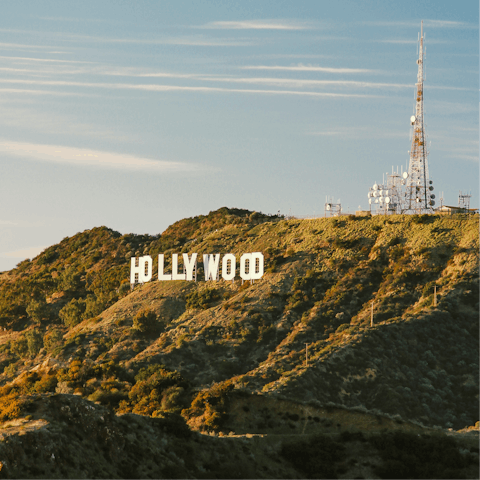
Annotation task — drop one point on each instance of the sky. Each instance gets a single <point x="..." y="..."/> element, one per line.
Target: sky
<point x="136" y="114"/>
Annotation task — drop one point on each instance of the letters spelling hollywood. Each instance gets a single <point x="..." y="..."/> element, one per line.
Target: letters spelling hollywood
<point x="251" y="267"/>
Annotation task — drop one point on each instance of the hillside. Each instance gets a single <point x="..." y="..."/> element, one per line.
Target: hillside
<point x="230" y="358"/>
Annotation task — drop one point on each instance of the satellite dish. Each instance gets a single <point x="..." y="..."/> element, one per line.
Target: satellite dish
<point x="417" y="200"/>
<point x="380" y="199"/>
<point x="412" y="119"/>
<point x="387" y="199"/>
<point x="432" y="196"/>
<point x="405" y="175"/>
<point x="430" y="188"/>
<point x="432" y="203"/>
<point x="328" y="206"/>
<point x="375" y="187"/>
<point x="376" y="200"/>
<point x="386" y="192"/>
<point x="375" y="194"/>
<point x="380" y="192"/>
<point x="370" y="201"/>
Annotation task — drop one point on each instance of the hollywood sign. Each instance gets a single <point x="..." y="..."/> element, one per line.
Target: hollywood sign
<point x="251" y="267"/>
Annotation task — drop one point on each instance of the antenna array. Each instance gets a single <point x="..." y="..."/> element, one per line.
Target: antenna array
<point x="464" y="201"/>
<point x="412" y="191"/>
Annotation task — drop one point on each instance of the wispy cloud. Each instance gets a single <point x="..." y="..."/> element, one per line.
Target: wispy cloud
<point x="29" y="252"/>
<point x="444" y="87"/>
<point x="358" y="133"/>
<point x="293" y="82"/>
<point x="54" y="93"/>
<point x="471" y="158"/>
<point x="258" y="25"/>
<point x="211" y="78"/>
<point x="46" y="60"/>
<point x="172" y="88"/>
<point x="91" y="158"/>
<point x="448" y="24"/>
<point x="399" y="41"/>
<point x="71" y="19"/>
<point x="180" y="88"/>
<point x="307" y="68"/>
<point x="426" y="24"/>
<point x="31" y="117"/>
<point x="411" y="42"/>
<point x="292" y="55"/>
<point x="33" y="48"/>
<point x="465" y="129"/>
<point x="189" y="40"/>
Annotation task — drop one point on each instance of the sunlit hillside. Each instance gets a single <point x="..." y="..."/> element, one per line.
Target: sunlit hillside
<point x="296" y="352"/>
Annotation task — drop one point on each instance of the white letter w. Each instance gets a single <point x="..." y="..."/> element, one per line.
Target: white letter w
<point x="211" y="266"/>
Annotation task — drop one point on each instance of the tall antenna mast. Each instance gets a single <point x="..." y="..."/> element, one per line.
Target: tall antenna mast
<point x="418" y="196"/>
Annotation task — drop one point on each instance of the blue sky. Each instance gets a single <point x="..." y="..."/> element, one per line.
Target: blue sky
<point x="136" y="114"/>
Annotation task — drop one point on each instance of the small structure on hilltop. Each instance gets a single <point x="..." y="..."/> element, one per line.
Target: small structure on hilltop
<point x="332" y="209"/>
<point x="462" y="207"/>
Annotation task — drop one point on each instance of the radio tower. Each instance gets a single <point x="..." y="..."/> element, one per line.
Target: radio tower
<point x="418" y="196"/>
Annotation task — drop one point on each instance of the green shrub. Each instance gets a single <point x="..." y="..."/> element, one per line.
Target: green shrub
<point x="202" y="299"/>
<point x="343" y="327"/>
<point x="94" y="306"/>
<point x="71" y="313"/>
<point x="52" y="339"/>
<point x="10" y="406"/>
<point x="34" y="342"/>
<point x="70" y="280"/>
<point x="212" y="405"/>
<point x="47" y="383"/>
<point x="38" y="311"/>
<point x="20" y="347"/>
<point x="156" y="390"/>
<point x="145" y="321"/>
<point x="10" y="370"/>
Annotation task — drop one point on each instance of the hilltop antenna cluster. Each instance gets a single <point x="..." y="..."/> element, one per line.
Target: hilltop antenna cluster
<point x="388" y="197"/>
<point x="331" y="208"/>
<point x="410" y="191"/>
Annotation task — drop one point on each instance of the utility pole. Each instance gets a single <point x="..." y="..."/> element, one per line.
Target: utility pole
<point x="435" y="296"/>
<point x="371" y="317"/>
<point x="306" y="354"/>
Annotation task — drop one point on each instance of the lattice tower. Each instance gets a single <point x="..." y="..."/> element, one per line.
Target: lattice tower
<point x="464" y="201"/>
<point x="418" y="195"/>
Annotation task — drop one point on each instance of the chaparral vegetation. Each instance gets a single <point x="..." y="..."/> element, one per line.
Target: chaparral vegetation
<point x="361" y="339"/>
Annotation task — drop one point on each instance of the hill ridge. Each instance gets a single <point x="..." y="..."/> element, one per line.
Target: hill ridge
<point x="196" y="349"/>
